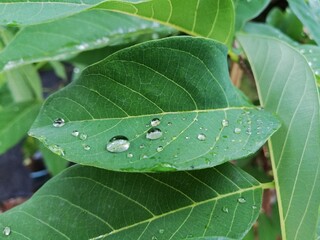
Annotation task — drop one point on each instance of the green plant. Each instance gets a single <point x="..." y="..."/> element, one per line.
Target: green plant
<point x="154" y="120"/>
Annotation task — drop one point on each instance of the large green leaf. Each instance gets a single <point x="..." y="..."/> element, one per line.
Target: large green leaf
<point x="287" y="86"/>
<point x="309" y="15"/>
<point x="246" y="10"/>
<point x="15" y="122"/>
<point x="182" y="81"/>
<point x="65" y="37"/>
<point x="90" y="203"/>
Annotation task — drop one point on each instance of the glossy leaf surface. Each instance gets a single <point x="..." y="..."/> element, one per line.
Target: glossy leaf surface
<point x="182" y="83"/>
<point x="15" y="121"/>
<point x="69" y="36"/>
<point x="100" y="204"/>
<point x="287" y="86"/>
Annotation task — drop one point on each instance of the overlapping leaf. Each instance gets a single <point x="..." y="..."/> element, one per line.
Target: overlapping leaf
<point x="287" y="86"/>
<point x="15" y="121"/>
<point x="90" y="203"/>
<point x="181" y="81"/>
<point x="66" y="37"/>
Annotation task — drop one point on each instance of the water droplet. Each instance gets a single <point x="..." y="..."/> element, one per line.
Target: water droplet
<point x="317" y="72"/>
<point x="154" y="133"/>
<point x="237" y="130"/>
<point x="201" y="137"/>
<point x="169" y="123"/>
<point x="59" y="122"/>
<point x="225" y="209"/>
<point x="187" y="137"/>
<point x="254" y="207"/>
<point x="57" y="150"/>
<point x="142" y="146"/>
<point x="75" y="133"/>
<point x="83" y="136"/>
<point x="154" y="238"/>
<point x="118" y="144"/>
<point x="183" y="119"/>
<point x="161" y="231"/>
<point x="241" y="200"/>
<point x="86" y="147"/>
<point x="310" y="64"/>
<point x="302" y="50"/>
<point x="248" y="131"/>
<point x="82" y="46"/>
<point x="130" y="155"/>
<point x="155" y="122"/>
<point x="144" y="156"/>
<point x="155" y="36"/>
<point x="225" y="123"/>
<point x="6" y="231"/>
<point x="159" y="149"/>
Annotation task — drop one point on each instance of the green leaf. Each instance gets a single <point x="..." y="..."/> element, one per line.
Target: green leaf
<point x="182" y="81"/>
<point x="286" y="85"/>
<point x="62" y="39"/>
<point x="309" y="15"/>
<point x="247" y="9"/>
<point x="99" y="204"/>
<point x="15" y="121"/>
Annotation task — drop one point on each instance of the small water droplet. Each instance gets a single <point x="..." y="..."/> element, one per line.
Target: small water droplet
<point x="154" y="238"/>
<point x="57" y="150"/>
<point x="82" y="46"/>
<point x="118" y="144"/>
<point x="75" y="133"/>
<point x="142" y="146"/>
<point x="248" y="131"/>
<point x="254" y="207"/>
<point x="155" y="122"/>
<point x="183" y="119"/>
<point x="154" y="133"/>
<point x="225" y="123"/>
<point x="187" y="137"/>
<point x="144" y="156"/>
<point x="159" y="149"/>
<point x="169" y="123"/>
<point x="302" y="51"/>
<point x="317" y="72"/>
<point x="161" y="231"/>
<point x="237" y="130"/>
<point x="310" y="64"/>
<point x="130" y="155"/>
<point x="83" y="136"/>
<point x="59" y="122"/>
<point x="86" y="147"/>
<point x="225" y="209"/>
<point x="155" y="36"/>
<point x="6" y="231"/>
<point x="201" y="137"/>
<point x="241" y="200"/>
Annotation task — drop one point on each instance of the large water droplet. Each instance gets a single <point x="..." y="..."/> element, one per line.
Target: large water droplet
<point x="86" y="147"/>
<point x="225" y="123"/>
<point x="155" y="122"/>
<point x="241" y="200"/>
<point x="6" y="231"/>
<point x="59" y="122"/>
<point x="201" y="137"/>
<point x="237" y="130"/>
<point x="75" y="133"/>
<point x="225" y="209"/>
<point x="83" y="136"/>
<point x="154" y="133"/>
<point x="118" y="144"/>
<point x="57" y="150"/>
<point x="159" y="149"/>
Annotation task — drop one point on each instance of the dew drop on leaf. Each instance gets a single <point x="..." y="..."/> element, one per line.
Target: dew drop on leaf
<point x="75" y="133"/>
<point x="6" y="231"/>
<point x="169" y="123"/>
<point x="237" y="130"/>
<point x="59" y="122"/>
<point x="254" y="207"/>
<point x="83" y="136"/>
<point x="187" y="137"/>
<point x="154" y="133"/>
<point x="225" y="209"/>
<point x="159" y="149"/>
<point x="155" y="122"/>
<point x="86" y="147"/>
<point x="241" y="200"/>
<point x="130" y="155"/>
<point x="161" y="231"/>
<point x="201" y="137"/>
<point x="118" y="144"/>
<point x="57" y="150"/>
<point x="225" y="123"/>
<point x="141" y="146"/>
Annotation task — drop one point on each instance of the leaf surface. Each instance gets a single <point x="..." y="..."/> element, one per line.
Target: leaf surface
<point x="15" y="121"/>
<point x="287" y="86"/>
<point x="66" y="37"/>
<point x="181" y="81"/>
<point x="100" y="204"/>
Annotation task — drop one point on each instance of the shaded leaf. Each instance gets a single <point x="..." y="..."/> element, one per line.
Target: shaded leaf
<point x="99" y="204"/>
<point x="15" y="121"/>
<point x="309" y="15"/>
<point x="66" y="37"/>
<point x="287" y="86"/>
<point x="246" y="10"/>
<point x="182" y="81"/>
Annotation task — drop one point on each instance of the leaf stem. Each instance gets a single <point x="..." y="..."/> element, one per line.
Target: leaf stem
<point x="268" y="185"/>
